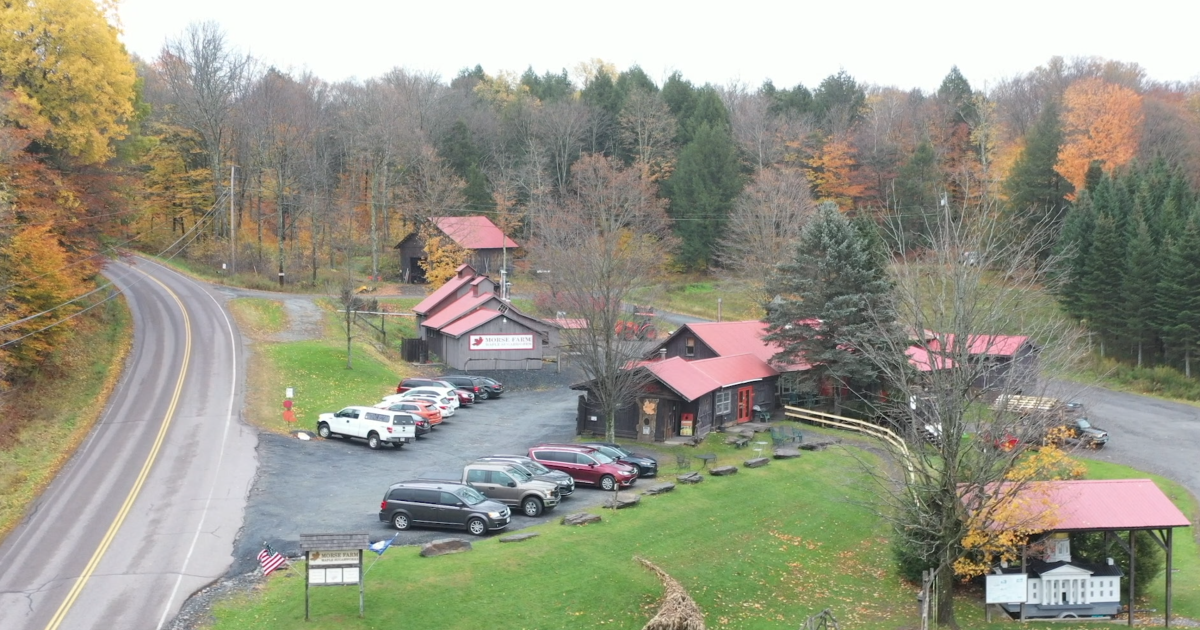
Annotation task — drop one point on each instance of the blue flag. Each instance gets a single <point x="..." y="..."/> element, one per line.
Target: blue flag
<point x="382" y="546"/>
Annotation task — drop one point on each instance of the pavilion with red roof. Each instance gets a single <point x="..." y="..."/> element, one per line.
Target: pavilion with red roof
<point x="486" y="244"/>
<point x="1058" y="586"/>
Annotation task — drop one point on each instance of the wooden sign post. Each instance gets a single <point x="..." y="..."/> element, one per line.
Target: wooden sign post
<point x="333" y="560"/>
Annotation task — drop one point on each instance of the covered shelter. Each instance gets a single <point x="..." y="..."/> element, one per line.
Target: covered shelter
<point x="1111" y="506"/>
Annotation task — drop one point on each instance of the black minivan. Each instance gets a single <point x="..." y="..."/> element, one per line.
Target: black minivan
<point x="443" y="505"/>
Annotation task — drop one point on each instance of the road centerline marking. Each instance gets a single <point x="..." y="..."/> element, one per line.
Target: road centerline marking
<point x="136" y="489"/>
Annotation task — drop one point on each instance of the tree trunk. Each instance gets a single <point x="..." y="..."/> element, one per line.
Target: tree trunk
<point x="944" y="587"/>
<point x="610" y="425"/>
<point x="1187" y="363"/>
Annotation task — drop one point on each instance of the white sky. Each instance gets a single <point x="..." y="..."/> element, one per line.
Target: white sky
<point x="905" y="43"/>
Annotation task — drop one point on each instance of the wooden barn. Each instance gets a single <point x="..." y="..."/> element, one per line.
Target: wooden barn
<point x="468" y="327"/>
<point x="686" y="398"/>
<point x="1010" y="360"/>
<point x="486" y="244"/>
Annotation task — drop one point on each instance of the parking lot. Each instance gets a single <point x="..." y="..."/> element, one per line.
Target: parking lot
<point x="335" y="486"/>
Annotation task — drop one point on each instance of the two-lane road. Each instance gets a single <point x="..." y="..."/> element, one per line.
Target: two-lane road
<point x="147" y="510"/>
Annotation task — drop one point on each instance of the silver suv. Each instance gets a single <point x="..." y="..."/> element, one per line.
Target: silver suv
<point x="566" y="483"/>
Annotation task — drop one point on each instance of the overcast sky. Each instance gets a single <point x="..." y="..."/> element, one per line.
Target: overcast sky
<point x="908" y="44"/>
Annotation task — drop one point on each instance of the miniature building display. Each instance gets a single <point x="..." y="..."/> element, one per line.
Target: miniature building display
<point x="1059" y="587"/>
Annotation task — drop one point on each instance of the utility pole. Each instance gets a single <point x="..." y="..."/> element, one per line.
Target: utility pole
<point x="232" y="225"/>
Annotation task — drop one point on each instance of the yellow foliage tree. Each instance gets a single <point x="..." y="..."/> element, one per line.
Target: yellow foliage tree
<point x="1017" y="512"/>
<point x="64" y="57"/>
<point x="1102" y="124"/>
<point x="442" y="257"/>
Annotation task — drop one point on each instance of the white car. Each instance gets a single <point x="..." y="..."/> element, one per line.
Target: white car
<point x="443" y="392"/>
<point x="375" y="426"/>
<point x="441" y="403"/>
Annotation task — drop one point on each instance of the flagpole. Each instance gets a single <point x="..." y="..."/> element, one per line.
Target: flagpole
<point x="380" y="554"/>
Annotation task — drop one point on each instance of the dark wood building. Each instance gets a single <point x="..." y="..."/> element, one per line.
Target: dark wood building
<point x="687" y="398"/>
<point x="485" y="243"/>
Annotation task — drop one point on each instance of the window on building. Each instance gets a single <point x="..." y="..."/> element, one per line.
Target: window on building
<point x="724" y="402"/>
<point x="689" y="347"/>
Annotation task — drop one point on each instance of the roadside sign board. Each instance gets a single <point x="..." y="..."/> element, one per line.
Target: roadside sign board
<point x="1010" y="588"/>
<point x="501" y="342"/>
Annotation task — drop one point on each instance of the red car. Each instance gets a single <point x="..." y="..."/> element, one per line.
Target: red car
<point x="585" y="465"/>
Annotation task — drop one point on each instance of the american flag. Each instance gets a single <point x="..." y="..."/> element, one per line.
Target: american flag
<point x="270" y="559"/>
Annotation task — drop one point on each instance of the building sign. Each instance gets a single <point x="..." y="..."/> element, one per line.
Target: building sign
<point x="334" y="567"/>
<point x="1009" y="588"/>
<point x="500" y="342"/>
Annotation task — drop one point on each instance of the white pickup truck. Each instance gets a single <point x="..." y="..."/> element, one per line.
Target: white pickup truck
<point x="376" y="426"/>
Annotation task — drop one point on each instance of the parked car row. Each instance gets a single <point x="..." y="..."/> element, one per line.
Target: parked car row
<point x="401" y="418"/>
<point x="479" y="497"/>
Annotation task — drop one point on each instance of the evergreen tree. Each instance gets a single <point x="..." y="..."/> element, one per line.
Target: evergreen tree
<point x="956" y="93"/>
<point x="1075" y="246"/>
<point x="706" y="180"/>
<point x="834" y="299"/>
<point x="839" y="103"/>
<point x="635" y="79"/>
<point x="548" y="87"/>
<point x="1102" y="297"/>
<point x="1178" y="294"/>
<point x="1140" y="283"/>
<point x="460" y="153"/>
<point x="918" y="188"/>
<point x="680" y="96"/>
<point x="1037" y="194"/>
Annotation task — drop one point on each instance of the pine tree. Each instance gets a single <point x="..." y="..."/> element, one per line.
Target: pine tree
<point x="1075" y="246"/>
<point x="1102" y="297"/>
<point x="834" y="297"/>
<point x="1139" y="286"/>
<point x="1037" y="194"/>
<point x="701" y="189"/>
<point x="1178" y="294"/>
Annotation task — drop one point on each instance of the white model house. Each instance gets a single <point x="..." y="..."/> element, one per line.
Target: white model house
<point x="1058" y="587"/>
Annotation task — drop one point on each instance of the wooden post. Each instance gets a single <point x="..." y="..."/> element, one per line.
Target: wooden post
<point x="360" y="585"/>
<point x="1170" y="548"/>
<point x="1132" y="575"/>
<point x="306" y="586"/>
<point x="1025" y="569"/>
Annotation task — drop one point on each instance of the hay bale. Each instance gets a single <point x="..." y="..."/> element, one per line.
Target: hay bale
<point x="678" y="610"/>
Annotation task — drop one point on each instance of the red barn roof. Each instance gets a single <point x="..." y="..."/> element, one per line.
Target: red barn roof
<point x="926" y="361"/>
<point x="693" y="379"/>
<point x="989" y="345"/>
<point x="446" y="290"/>
<point x="733" y="338"/>
<point x="470" y="322"/>
<point x="473" y="232"/>
<point x="457" y="309"/>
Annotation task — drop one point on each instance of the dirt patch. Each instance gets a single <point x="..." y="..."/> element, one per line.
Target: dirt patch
<point x="304" y="320"/>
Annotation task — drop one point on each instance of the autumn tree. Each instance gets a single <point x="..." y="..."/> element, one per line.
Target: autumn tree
<point x="954" y="311"/>
<point x="64" y="58"/>
<point x="766" y="221"/>
<point x="442" y="256"/>
<point x="606" y="240"/>
<point x="1101" y="123"/>
<point x="832" y="174"/>
<point x="204" y="78"/>
<point x="646" y="130"/>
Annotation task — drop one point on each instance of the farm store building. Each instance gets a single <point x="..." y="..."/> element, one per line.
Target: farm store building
<point x="468" y="326"/>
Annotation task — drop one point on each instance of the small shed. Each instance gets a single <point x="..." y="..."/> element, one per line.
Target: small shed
<point x="1059" y="587"/>
<point x="485" y="243"/>
<point x="1009" y="360"/>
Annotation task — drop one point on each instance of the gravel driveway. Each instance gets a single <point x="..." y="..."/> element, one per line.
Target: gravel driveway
<point x="334" y="486"/>
<point x="1153" y="435"/>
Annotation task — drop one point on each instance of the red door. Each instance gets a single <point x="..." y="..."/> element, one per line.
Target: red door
<point x="745" y="404"/>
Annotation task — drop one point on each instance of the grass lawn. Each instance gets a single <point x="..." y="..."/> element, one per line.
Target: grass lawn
<point x="258" y="317"/>
<point x="698" y="298"/>
<point x="761" y="549"/>
<point x="765" y="548"/>
<point x="70" y="390"/>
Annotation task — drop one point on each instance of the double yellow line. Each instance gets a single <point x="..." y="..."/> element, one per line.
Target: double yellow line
<point x="65" y="607"/>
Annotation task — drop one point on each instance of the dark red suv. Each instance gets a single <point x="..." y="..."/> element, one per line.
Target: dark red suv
<point x="585" y="465"/>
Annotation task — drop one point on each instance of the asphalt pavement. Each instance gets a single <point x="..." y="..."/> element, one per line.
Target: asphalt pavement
<point x="1157" y="436"/>
<point x="335" y="486"/>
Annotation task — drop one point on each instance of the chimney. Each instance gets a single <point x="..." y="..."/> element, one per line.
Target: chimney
<point x="662" y="354"/>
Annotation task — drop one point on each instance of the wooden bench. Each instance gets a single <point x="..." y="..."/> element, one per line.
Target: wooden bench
<point x="741" y="442"/>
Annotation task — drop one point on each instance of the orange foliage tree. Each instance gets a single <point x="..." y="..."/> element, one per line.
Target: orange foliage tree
<point x="1101" y="124"/>
<point x="831" y="172"/>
